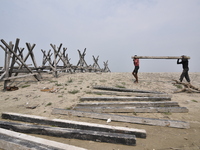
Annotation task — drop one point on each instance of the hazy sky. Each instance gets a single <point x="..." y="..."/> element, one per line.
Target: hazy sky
<point x="113" y="29"/>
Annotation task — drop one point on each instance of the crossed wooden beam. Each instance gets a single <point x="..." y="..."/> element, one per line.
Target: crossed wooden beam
<point x="13" y="53"/>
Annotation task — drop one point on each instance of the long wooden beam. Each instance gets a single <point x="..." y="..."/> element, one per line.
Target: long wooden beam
<point x="11" y="140"/>
<point x="129" y="94"/>
<point x="123" y="118"/>
<point x="129" y="104"/>
<point x="70" y="133"/>
<point x="139" y="133"/>
<point x="125" y="99"/>
<point x="159" y="57"/>
<point x="124" y="90"/>
<point x="133" y="109"/>
<point x="21" y="76"/>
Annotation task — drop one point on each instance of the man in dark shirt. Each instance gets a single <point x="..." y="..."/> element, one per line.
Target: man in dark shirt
<point x="184" y="62"/>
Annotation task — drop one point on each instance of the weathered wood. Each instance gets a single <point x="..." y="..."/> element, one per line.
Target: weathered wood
<point x="7" y="61"/>
<point x="30" y="48"/>
<point x="106" y="68"/>
<point x="125" y="99"/>
<point x="124" y="90"/>
<point x="140" y="133"/>
<point x="133" y="109"/>
<point x="82" y="63"/>
<point x="130" y="104"/>
<point x="129" y="94"/>
<point x="69" y="133"/>
<point x="10" y="140"/>
<point x="21" y="76"/>
<point x="14" y="53"/>
<point x="122" y="118"/>
<point x="159" y="57"/>
<point x="95" y="64"/>
<point x="187" y="87"/>
<point x="14" y="56"/>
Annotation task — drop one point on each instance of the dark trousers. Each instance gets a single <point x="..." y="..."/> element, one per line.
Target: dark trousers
<point x="185" y="74"/>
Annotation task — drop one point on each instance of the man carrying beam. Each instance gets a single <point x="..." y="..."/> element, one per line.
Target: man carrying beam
<point x="184" y="62"/>
<point x="135" y="71"/>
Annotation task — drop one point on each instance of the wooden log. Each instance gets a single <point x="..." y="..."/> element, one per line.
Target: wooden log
<point x="14" y="56"/>
<point x="7" y="61"/>
<point x="129" y="104"/>
<point x="21" y="76"/>
<point x="133" y="109"/>
<point x="187" y="86"/>
<point x="10" y="140"/>
<point x="159" y="57"/>
<point x="122" y="118"/>
<point x="116" y="138"/>
<point x="129" y="94"/>
<point x="125" y="99"/>
<point x="140" y="133"/>
<point x="124" y="90"/>
<point x="2" y="76"/>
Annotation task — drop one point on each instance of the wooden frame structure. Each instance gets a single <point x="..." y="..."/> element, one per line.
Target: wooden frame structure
<point x="14" y="55"/>
<point x="15" y="62"/>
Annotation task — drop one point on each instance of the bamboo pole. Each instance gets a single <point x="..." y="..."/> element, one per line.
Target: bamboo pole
<point x="159" y="57"/>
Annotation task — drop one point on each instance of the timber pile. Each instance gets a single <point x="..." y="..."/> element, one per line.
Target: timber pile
<point x="101" y="110"/>
<point x="16" y="62"/>
<point x="187" y="87"/>
<point x="72" y="129"/>
<point x="130" y="107"/>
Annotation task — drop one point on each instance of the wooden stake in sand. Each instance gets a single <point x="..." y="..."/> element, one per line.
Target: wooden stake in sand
<point x="160" y="57"/>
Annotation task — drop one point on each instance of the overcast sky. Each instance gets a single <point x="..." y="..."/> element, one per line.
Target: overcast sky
<point x="114" y="30"/>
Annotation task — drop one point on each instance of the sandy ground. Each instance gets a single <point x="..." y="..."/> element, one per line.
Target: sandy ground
<point x="70" y="87"/>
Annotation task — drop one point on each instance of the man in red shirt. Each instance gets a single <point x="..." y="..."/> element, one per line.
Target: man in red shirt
<point x="135" y="71"/>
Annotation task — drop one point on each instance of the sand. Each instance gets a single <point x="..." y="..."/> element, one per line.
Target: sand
<point x="68" y="88"/>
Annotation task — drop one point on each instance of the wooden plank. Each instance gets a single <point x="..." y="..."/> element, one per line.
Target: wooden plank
<point x="10" y="140"/>
<point x="124" y="90"/>
<point x="129" y="104"/>
<point x="133" y="109"/>
<point x="129" y="94"/>
<point x="21" y="76"/>
<point x="159" y="57"/>
<point x="70" y="133"/>
<point x="140" y="133"/>
<point x="125" y="99"/>
<point x="122" y="118"/>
